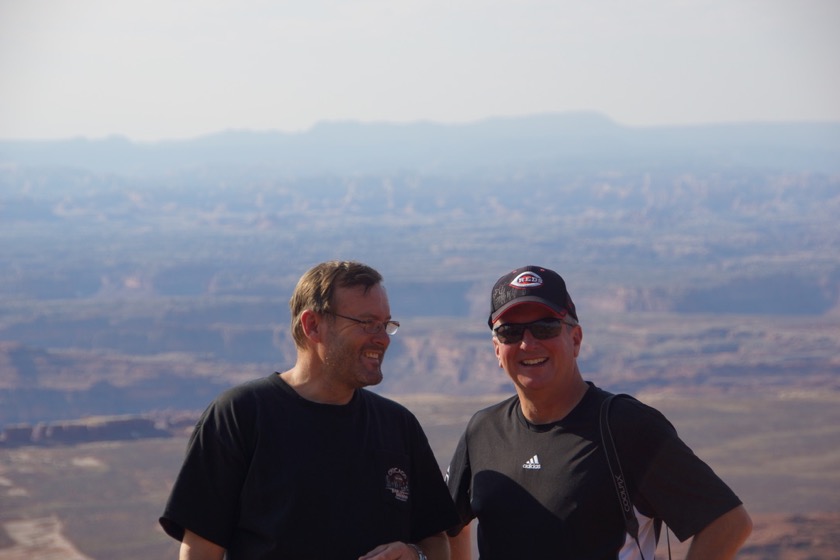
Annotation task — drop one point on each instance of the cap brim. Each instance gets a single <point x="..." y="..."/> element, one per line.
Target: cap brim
<point x="522" y="300"/>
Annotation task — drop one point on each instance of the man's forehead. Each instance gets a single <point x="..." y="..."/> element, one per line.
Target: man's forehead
<point x="361" y="295"/>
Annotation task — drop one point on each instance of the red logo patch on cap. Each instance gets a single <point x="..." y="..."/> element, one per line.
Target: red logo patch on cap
<point x="527" y="280"/>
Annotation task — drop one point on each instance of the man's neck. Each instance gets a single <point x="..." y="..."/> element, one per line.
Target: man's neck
<point x="313" y="387"/>
<point x="541" y="407"/>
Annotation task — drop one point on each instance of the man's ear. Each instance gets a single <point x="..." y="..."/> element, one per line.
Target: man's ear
<point x="577" y="337"/>
<point x="312" y="325"/>
<point x="497" y="346"/>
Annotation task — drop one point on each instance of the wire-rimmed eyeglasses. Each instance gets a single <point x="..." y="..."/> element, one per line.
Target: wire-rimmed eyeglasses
<point x="370" y="326"/>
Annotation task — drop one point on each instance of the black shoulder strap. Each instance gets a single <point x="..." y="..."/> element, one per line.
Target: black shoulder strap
<point x="630" y="520"/>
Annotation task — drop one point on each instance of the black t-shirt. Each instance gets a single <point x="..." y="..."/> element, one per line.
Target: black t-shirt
<point x="545" y="491"/>
<point x="269" y="474"/>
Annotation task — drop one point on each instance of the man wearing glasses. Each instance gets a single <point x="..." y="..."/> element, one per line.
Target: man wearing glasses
<point x="533" y="470"/>
<point x="307" y="464"/>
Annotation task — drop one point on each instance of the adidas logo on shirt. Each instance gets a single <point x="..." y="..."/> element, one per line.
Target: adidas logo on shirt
<point x="532" y="463"/>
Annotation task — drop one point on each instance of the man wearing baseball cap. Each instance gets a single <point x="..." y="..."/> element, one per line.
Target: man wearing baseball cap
<point x="533" y="469"/>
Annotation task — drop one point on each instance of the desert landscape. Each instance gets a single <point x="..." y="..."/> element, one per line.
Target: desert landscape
<point x="139" y="281"/>
<point x="101" y="500"/>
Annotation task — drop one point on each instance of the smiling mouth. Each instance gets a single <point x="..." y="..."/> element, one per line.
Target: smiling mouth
<point x="377" y="356"/>
<point x="534" y="362"/>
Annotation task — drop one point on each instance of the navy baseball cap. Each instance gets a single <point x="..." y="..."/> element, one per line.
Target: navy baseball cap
<point x="530" y="284"/>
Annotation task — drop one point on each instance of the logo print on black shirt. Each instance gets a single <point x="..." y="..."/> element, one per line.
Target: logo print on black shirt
<point x="397" y="482"/>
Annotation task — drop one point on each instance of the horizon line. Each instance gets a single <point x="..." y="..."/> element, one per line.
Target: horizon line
<point x="118" y="136"/>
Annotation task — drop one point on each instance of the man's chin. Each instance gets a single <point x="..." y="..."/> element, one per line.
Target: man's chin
<point x="371" y="379"/>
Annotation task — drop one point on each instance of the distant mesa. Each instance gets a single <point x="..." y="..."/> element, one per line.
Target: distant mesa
<point x="85" y="430"/>
<point x="535" y="140"/>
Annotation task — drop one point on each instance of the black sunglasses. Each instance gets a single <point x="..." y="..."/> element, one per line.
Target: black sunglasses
<point x="543" y="329"/>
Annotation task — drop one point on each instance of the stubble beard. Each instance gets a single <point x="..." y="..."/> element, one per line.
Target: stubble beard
<point x="346" y="365"/>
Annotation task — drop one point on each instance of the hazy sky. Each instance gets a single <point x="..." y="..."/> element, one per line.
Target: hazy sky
<point x="165" y="69"/>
